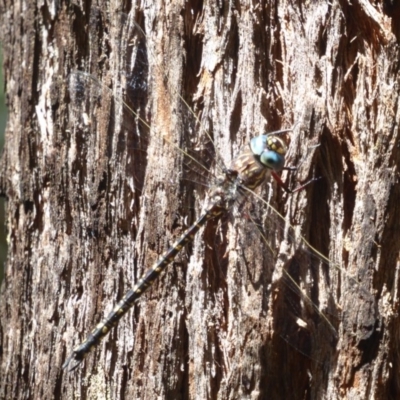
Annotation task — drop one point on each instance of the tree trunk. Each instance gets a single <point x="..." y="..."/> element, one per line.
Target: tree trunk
<point x="224" y="321"/>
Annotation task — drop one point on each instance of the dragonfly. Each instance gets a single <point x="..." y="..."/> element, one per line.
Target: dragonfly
<point x="259" y="160"/>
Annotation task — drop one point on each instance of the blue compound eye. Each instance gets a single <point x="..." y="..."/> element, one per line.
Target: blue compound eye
<point x="272" y="159"/>
<point x="269" y="150"/>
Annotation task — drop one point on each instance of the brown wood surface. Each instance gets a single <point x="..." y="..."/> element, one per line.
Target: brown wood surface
<point x="219" y="324"/>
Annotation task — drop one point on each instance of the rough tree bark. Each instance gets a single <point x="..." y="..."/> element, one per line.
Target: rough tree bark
<point x="216" y="325"/>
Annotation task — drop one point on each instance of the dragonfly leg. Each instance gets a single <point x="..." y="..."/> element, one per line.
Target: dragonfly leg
<point x="286" y="188"/>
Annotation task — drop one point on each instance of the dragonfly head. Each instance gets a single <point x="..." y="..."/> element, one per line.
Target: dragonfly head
<point x="269" y="150"/>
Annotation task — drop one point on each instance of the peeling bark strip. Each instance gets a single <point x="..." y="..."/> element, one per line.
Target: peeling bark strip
<point x="220" y="323"/>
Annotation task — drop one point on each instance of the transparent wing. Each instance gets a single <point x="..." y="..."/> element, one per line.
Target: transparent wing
<point x="128" y="130"/>
<point x="307" y="313"/>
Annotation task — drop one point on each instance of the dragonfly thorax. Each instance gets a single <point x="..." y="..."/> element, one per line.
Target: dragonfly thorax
<point x="255" y="163"/>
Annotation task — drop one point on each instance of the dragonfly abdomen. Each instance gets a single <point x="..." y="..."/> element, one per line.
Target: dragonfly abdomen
<point x="147" y="279"/>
